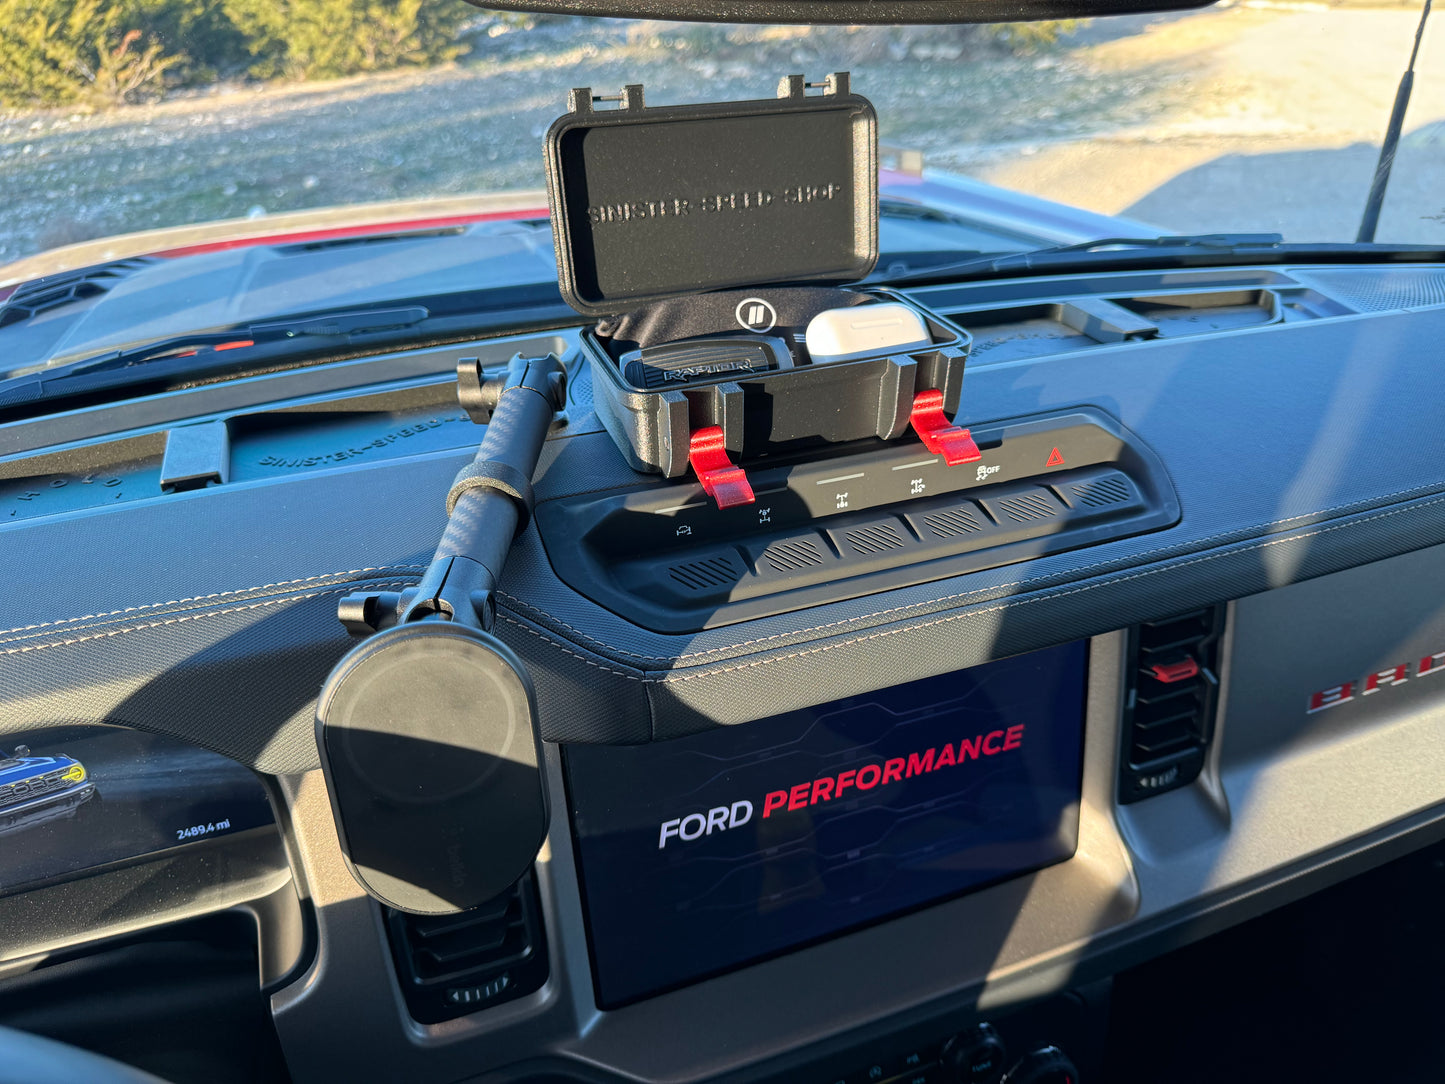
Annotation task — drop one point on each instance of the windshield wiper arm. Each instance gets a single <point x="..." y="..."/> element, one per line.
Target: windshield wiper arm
<point x="196" y="353"/>
<point x="305" y="338"/>
<point x="341" y="323"/>
<point x="1232" y="243"/>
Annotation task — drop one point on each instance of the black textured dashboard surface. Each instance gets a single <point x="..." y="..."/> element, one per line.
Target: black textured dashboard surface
<point x="1295" y="450"/>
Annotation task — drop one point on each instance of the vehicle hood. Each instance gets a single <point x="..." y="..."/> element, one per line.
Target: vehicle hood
<point x="229" y="274"/>
<point x="30" y="767"/>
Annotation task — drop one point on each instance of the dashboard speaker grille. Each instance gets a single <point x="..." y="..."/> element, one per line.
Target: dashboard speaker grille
<point x="792" y="556"/>
<point x="706" y="574"/>
<point x="1027" y="507"/>
<point x="1384" y="290"/>
<point x="953" y="522"/>
<point x="1100" y="493"/>
<point x="452" y="965"/>
<point x="1169" y="710"/>
<point x="874" y="538"/>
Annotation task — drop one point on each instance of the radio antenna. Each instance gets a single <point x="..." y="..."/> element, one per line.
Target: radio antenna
<point x="1371" y="217"/>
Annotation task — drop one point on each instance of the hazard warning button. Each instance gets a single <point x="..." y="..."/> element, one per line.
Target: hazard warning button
<point x="1056" y="459"/>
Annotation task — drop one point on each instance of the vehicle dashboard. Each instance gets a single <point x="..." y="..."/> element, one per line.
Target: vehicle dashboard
<point x="1275" y="439"/>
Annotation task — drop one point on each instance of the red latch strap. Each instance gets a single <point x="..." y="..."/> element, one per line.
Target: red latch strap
<point x="939" y="435"/>
<point x="724" y="481"/>
<point x="1171" y="672"/>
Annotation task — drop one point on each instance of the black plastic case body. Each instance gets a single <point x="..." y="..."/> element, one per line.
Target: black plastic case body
<point x="651" y="204"/>
<point x="785" y="409"/>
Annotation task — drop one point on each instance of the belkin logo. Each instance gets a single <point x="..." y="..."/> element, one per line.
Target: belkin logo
<point x="1387" y="678"/>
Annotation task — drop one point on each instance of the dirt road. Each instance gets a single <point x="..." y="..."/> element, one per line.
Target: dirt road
<point x="1278" y="128"/>
<point x="1232" y="118"/>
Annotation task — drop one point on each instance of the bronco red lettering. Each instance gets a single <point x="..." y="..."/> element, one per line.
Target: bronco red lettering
<point x="1014" y="738"/>
<point x="989" y="746"/>
<point x="892" y="769"/>
<point x="773" y="801"/>
<point x="863" y="774"/>
<point x="798" y="796"/>
<point x="822" y="790"/>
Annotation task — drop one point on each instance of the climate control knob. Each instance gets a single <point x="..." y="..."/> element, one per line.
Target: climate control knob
<point x="975" y="1056"/>
<point x="1043" y="1065"/>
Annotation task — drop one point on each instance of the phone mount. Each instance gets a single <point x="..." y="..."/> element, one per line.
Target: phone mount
<point x="427" y="730"/>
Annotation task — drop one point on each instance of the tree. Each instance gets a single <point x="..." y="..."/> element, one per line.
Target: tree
<point x="59" y="52"/>
<point x="309" y="39"/>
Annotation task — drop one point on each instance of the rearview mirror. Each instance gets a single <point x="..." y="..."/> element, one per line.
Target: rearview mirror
<point x="846" y="12"/>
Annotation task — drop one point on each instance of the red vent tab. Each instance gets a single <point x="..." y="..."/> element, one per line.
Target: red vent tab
<point x="1182" y="670"/>
<point x="724" y="481"/>
<point x="939" y="435"/>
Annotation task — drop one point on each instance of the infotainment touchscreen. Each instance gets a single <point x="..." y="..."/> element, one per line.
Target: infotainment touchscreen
<point x="707" y="852"/>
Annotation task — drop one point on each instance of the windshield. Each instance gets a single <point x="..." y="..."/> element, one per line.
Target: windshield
<point x="133" y="127"/>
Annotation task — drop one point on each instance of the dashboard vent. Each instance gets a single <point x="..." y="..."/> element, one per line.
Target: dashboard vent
<point x="452" y="965"/>
<point x="1170" y="701"/>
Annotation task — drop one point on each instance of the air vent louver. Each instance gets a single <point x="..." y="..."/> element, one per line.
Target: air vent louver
<point x="452" y="965"/>
<point x="1169" y="710"/>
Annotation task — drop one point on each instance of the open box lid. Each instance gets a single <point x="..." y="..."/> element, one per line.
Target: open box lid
<point x="649" y="204"/>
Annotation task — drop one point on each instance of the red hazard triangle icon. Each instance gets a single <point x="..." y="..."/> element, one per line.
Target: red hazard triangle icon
<point x="1055" y="459"/>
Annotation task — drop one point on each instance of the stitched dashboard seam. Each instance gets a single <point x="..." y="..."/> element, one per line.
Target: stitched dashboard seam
<point x="520" y="604"/>
<point x="207" y="598"/>
<point x="564" y="647"/>
<point x="1016" y="601"/>
<point x="193" y="617"/>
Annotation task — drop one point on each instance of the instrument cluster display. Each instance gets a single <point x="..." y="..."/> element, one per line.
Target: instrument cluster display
<point x="75" y="799"/>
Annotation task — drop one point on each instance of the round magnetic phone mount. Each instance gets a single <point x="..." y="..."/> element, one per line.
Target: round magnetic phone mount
<point x="428" y="740"/>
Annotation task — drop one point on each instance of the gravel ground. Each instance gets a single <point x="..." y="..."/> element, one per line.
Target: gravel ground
<point x="478" y="126"/>
<point x="1286" y="106"/>
<point x="1186" y="121"/>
